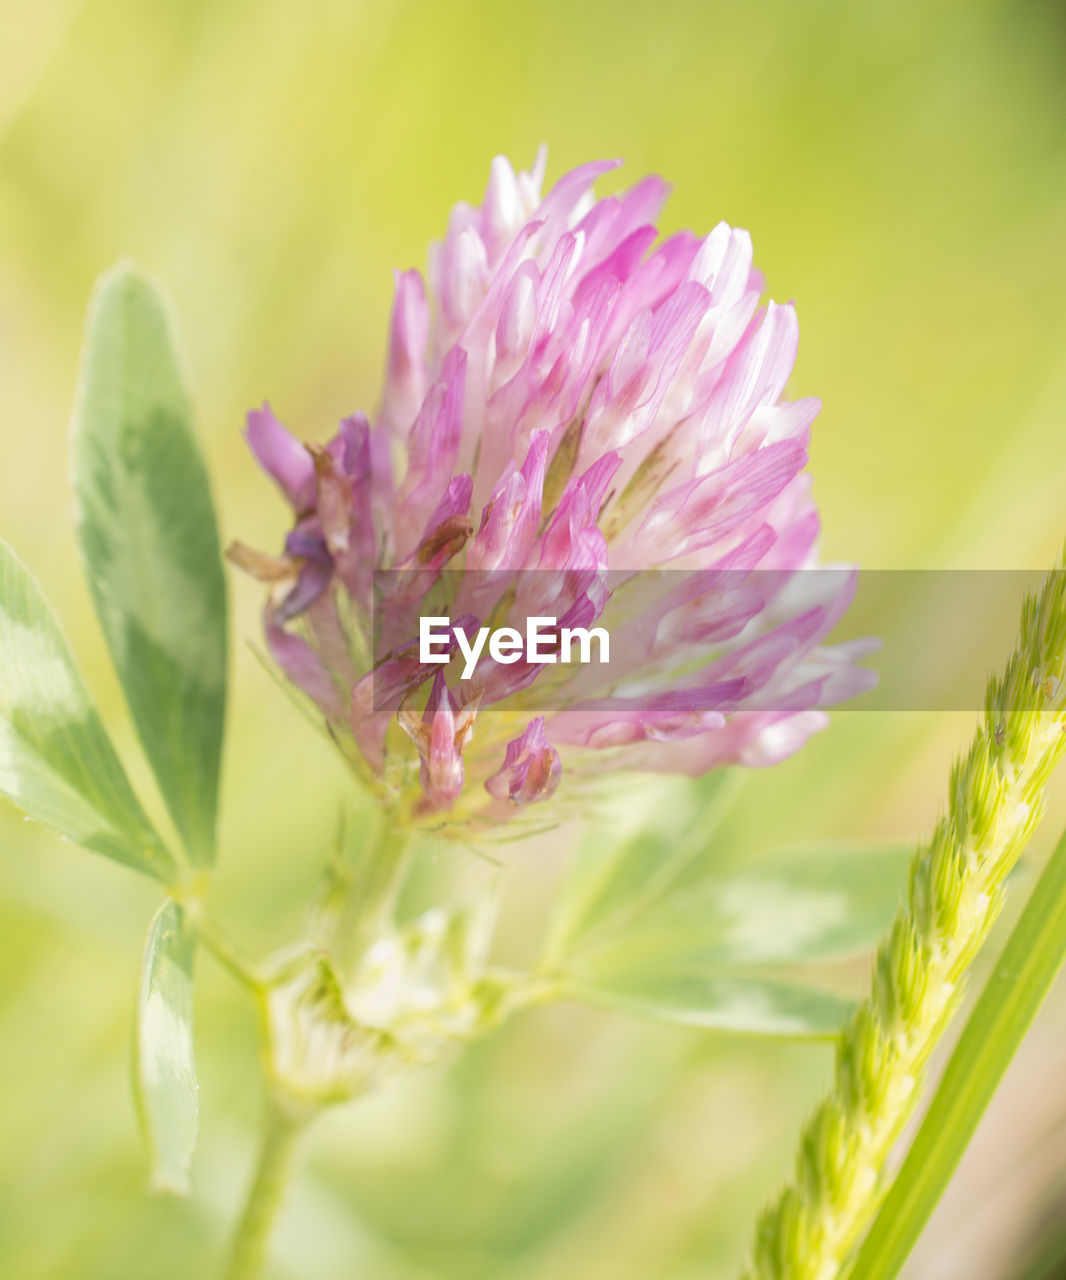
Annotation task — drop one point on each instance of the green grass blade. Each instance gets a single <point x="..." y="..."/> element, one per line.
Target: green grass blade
<point x="150" y="544"/>
<point x="1008" y="1004"/>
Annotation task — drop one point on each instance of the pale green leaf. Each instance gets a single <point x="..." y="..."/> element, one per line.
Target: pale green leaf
<point x="149" y="540"/>
<point x="611" y="881"/>
<point x="715" y="948"/>
<point x="724" y="1002"/>
<point x="165" y="1068"/>
<point x="1011" y="998"/>
<point x="812" y="905"/>
<point x="56" y="761"/>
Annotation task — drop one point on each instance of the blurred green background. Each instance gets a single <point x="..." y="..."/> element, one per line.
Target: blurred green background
<point x="902" y="168"/>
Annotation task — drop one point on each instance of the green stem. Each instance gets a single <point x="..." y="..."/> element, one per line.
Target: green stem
<point x="225" y="952"/>
<point x="358" y="894"/>
<point x="276" y="1157"/>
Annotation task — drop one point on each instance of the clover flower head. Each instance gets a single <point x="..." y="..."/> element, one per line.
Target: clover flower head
<point x="581" y="422"/>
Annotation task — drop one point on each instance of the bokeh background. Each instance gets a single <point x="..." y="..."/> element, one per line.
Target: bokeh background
<point x="902" y="168"/>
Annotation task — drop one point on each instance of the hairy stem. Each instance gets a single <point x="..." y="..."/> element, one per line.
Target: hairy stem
<point x="275" y="1163"/>
<point x="358" y="893"/>
<point x="995" y="800"/>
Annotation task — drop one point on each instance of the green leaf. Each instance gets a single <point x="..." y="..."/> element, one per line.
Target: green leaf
<point x="811" y="905"/>
<point x="611" y="882"/>
<point x="150" y="544"/>
<point x="707" y="947"/>
<point x="165" y="1069"/>
<point x="56" y="761"/>
<point x="1016" y="989"/>
<point x="723" y="1002"/>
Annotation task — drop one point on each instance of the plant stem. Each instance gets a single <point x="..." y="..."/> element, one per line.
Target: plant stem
<point x="358" y="893"/>
<point x="225" y="952"/>
<point x="276" y="1156"/>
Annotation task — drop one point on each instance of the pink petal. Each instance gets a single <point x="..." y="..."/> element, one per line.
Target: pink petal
<point x="282" y="457"/>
